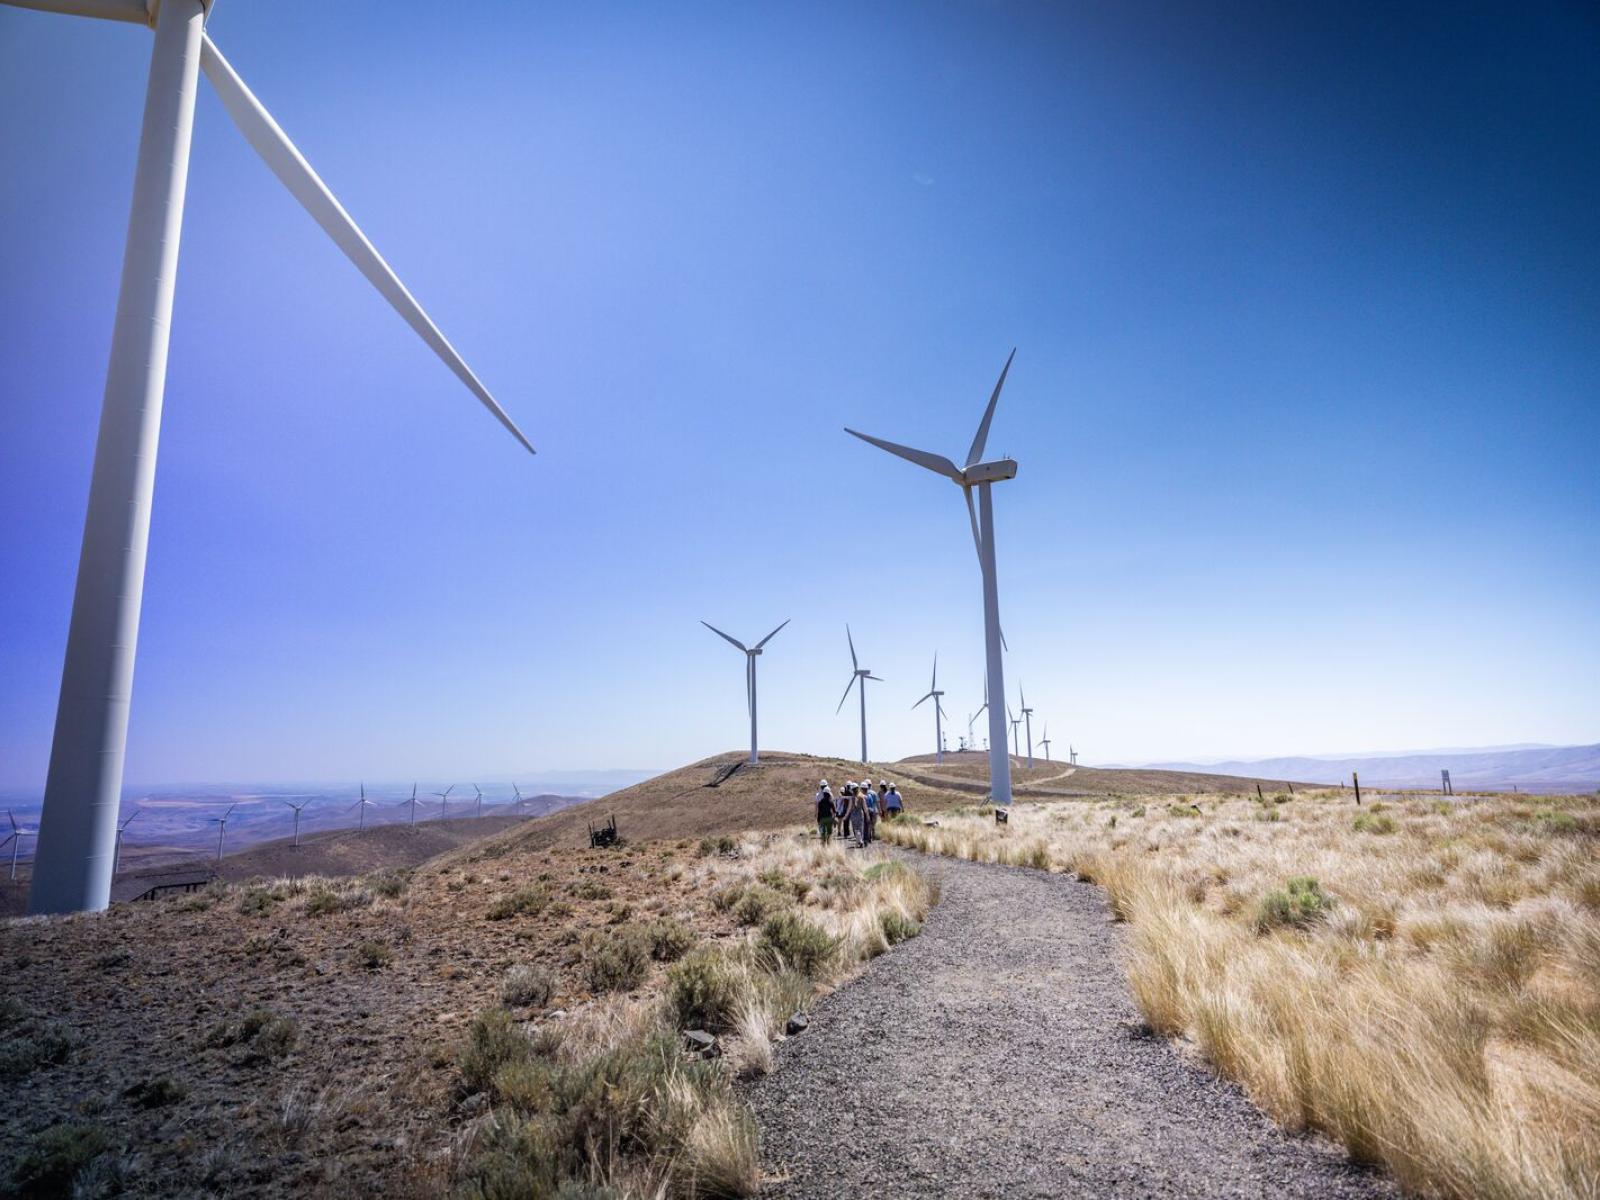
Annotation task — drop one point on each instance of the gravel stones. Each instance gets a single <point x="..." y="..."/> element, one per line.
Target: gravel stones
<point x="992" y="1057"/>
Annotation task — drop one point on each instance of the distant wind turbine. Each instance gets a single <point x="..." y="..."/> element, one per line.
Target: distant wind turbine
<point x="751" y="653"/>
<point x="935" y="695"/>
<point x="361" y="806"/>
<point x="73" y="863"/>
<point x="1072" y="756"/>
<point x="116" y="853"/>
<point x="413" y="822"/>
<point x="518" y="792"/>
<point x="15" y="838"/>
<point x="980" y="475"/>
<point x="1045" y="741"/>
<point x="1027" y="715"/>
<point x="1015" y="721"/>
<point x="222" y="830"/>
<point x="294" y="842"/>
<point x="444" y="799"/>
<point x="858" y="679"/>
<point x="479" y="790"/>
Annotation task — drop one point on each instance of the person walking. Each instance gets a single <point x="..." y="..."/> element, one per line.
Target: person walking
<point x="858" y="816"/>
<point x="824" y="807"/>
<point x="841" y="812"/>
<point x="893" y="805"/>
<point x="870" y="801"/>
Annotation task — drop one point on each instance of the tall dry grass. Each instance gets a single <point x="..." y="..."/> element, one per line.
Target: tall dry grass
<point x="607" y="1103"/>
<point x="1419" y="978"/>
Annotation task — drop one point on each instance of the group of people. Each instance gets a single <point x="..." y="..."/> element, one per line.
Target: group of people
<point x="856" y="809"/>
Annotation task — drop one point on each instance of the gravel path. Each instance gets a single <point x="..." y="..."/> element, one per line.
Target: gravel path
<point x="1000" y="1054"/>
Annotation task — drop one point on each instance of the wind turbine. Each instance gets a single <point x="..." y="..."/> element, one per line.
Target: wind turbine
<point x="444" y="799"/>
<point x="17" y="834"/>
<point x="751" y="653"/>
<point x="413" y="808"/>
<point x="1072" y="756"/>
<point x="518" y="791"/>
<point x="116" y="853"/>
<point x="222" y="831"/>
<point x="859" y="676"/>
<point x="938" y="712"/>
<point x="479" y="790"/>
<point x="1015" y="721"/>
<point x="980" y="475"/>
<point x="73" y="863"/>
<point x="294" y="842"/>
<point x="1045" y="741"/>
<point x="1027" y="715"/>
<point x="360" y="806"/>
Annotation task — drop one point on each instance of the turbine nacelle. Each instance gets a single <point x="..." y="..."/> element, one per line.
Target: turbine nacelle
<point x="995" y="471"/>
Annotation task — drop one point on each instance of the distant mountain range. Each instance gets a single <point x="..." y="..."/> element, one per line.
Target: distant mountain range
<point x="1499" y="768"/>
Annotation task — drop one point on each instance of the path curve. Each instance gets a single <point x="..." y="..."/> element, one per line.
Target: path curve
<point x="1000" y="1055"/>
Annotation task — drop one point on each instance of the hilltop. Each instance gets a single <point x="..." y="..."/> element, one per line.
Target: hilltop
<point x="968" y="771"/>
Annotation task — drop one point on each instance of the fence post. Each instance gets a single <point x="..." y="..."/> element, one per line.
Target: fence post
<point x="1356" y="779"/>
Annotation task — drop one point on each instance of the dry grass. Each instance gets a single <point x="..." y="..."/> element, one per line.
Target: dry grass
<point x="608" y="1099"/>
<point x="1424" y="987"/>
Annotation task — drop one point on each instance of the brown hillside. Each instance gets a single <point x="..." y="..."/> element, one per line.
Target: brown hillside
<point x="968" y="772"/>
<point x="775" y="793"/>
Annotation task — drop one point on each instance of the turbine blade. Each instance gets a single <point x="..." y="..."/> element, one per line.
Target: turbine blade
<point x="286" y="162"/>
<point x="935" y="685"/>
<point x="936" y="463"/>
<point x="846" y="695"/>
<point x="770" y="636"/>
<point x="132" y="11"/>
<point x="919" y="703"/>
<point x="853" y="663"/>
<point x="875" y="678"/>
<point x="976" y="453"/>
<point x="972" y="515"/>
<point x="724" y="636"/>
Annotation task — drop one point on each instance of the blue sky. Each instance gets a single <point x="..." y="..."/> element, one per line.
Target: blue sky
<point x="1306" y="305"/>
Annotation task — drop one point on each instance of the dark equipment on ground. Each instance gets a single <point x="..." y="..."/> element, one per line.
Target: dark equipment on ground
<point x="606" y="835"/>
<point x="1002" y="816"/>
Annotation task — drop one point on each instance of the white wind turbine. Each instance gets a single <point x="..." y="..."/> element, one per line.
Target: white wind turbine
<point x="479" y="790"/>
<point x="15" y="838"/>
<point x="1045" y="741"/>
<point x="859" y="678"/>
<point x="413" y="822"/>
<point x="518" y="792"/>
<point x="294" y="842"/>
<point x="116" y="853"/>
<point x="751" y="653"/>
<point x="360" y="806"/>
<point x="83" y="788"/>
<point x="1027" y="715"/>
<point x="444" y="800"/>
<point x="978" y="475"/>
<point x="222" y="831"/>
<point x="936" y="696"/>
<point x="1015" y="722"/>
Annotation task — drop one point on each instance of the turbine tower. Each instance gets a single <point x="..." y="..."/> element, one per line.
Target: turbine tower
<point x="1045" y="741"/>
<point x="978" y="475"/>
<point x="1027" y="715"/>
<point x="413" y="822"/>
<point x="479" y="790"/>
<point x="444" y="799"/>
<point x="1015" y="722"/>
<point x="751" y="653"/>
<point x="859" y="676"/>
<point x="1072" y="756"/>
<point x="222" y="831"/>
<point x="361" y="811"/>
<point x="83" y="789"/>
<point x="116" y="854"/>
<point x="294" y="843"/>
<point x="935" y="695"/>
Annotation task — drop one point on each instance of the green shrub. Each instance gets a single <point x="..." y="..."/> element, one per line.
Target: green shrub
<point x="592" y="889"/>
<point x="257" y="902"/>
<point x="758" y="902"/>
<point x="268" y="1035"/>
<point x="885" y="870"/>
<point x="46" y="1046"/>
<point x="1374" y="823"/>
<point x="1554" y="821"/>
<point x="616" y="960"/>
<point x="388" y="884"/>
<point x="896" y="927"/>
<point x="493" y="1041"/>
<point x="528" y="901"/>
<point x="704" y="989"/>
<point x="779" y="882"/>
<point x="788" y="939"/>
<point x="1301" y="903"/>
<point x="528" y="985"/>
<point x="670" y="939"/>
<point x="57" y="1159"/>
